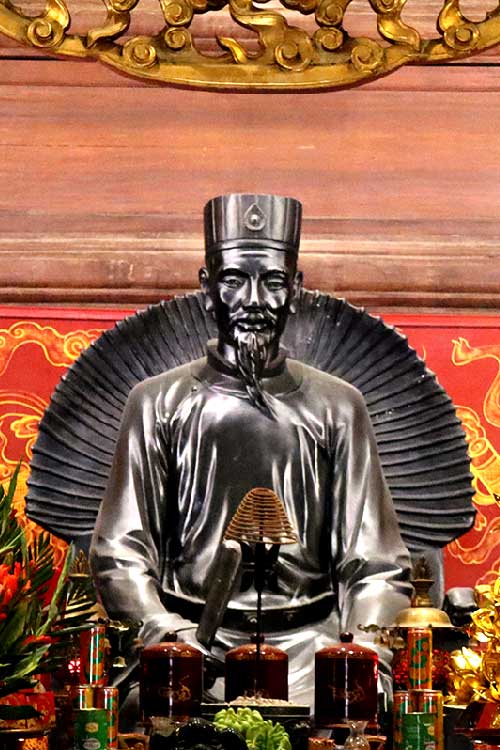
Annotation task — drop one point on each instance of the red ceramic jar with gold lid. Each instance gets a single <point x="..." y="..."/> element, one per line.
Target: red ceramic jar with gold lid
<point x="247" y="675"/>
<point x="171" y="676"/>
<point x="345" y="683"/>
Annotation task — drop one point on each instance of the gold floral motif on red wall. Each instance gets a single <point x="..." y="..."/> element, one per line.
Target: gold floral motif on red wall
<point x="482" y="544"/>
<point x="22" y="409"/>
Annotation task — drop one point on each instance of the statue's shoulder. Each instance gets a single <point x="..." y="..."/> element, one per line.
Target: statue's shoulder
<point x="179" y="378"/>
<point x="323" y="383"/>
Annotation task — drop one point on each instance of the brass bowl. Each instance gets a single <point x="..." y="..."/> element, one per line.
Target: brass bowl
<point x="422" y="617"/>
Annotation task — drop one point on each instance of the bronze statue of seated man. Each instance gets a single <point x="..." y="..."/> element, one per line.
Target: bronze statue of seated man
<point x="194" y="440"/>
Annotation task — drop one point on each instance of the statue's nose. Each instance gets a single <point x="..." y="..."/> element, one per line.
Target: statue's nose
<point x="253" y="295"/>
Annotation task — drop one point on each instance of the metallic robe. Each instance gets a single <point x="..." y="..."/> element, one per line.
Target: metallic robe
<point x="191" y="445"/>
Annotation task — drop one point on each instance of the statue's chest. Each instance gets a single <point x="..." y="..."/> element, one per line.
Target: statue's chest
<point x="234" y="429"/>
<point x="224" y="446"/>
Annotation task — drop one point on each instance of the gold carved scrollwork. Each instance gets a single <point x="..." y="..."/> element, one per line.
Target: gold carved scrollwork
<point x="117" y="21"/>
<point x="49" y="30"/>
<point x="177" y="12"/>
<point x="329" y="39"/>
<point x="139" y="52"/>
<point x="177" y="39"/>
<point x="295" y="52"/>
<point x="457" y="31"/>
<point x="286" y="56"/>
<point x="289" y="47"/>
<point x="464" y="37"/>
<point x="236" y="50"/>
<point x="304" y="6"/>
<point x="367" y="55"/>
<point x="330" y="13"/>
<point x="388" y="6"/>
<point x="391" y="26"/>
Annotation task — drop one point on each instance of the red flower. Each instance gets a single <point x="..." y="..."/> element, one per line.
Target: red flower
<point x="10" y="584"/>
<point x="39" y="640"/>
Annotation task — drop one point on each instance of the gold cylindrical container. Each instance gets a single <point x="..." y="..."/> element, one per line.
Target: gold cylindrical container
<point x="91" y="729"/>
<point x="402" y="705"/>
<point x="92" y="656"/>
<point x="431" y="702"/>
<point x="83" y="696"/>
<point x="108" y="697"/>
<point x="418" y="731"/>
<point x="420" y="658"/>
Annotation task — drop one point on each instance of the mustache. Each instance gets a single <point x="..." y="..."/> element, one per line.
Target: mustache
<point x="265" y="320"/>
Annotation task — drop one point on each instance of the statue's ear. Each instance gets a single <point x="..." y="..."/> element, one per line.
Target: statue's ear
<point x="203" y="276"/>
<point x="296" y="287"/>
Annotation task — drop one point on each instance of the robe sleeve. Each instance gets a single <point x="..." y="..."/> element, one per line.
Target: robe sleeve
<point x="372" y="564"/>
<point x="129" y="539"/>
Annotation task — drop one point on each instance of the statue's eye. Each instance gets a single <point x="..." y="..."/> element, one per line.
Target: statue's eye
<point x="275" y="283"/>
<point x="233" y="281"/>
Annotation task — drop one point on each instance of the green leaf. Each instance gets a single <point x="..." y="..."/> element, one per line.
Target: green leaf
<point x="59" y="632"/>
<point x="11" y="534"/>
<point x="14" y="627"/>
<point x="41" y="562"/>
<point x="54" y="608"/>
<point x="13" y="484"/>
<point x="29" y="664"/>
<point x="13" y="713"/>
<point x="14" y="684"/>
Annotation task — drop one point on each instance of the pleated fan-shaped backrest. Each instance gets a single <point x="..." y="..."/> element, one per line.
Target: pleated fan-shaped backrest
<point x="420" y="439"/>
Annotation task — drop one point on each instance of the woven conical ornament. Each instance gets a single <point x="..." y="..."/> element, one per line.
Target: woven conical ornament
<point x="261" y="517"/>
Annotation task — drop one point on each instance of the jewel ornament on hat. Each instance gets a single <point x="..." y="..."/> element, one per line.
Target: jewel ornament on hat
<point x="254" y="218"/>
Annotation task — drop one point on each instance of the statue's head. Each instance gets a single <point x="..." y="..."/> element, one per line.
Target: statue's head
<point x="251" y="278"/>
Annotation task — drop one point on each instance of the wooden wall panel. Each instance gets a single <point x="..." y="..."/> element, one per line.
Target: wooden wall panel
<point x="103" y="179"/>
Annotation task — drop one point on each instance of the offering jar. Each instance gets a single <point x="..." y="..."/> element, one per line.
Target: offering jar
<point x="345" y="683"/>
<point x="171" y="680"/>
<point x="265" y="676"/>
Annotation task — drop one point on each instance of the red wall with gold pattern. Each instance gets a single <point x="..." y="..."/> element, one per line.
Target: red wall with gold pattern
<point x="38" y="344"/>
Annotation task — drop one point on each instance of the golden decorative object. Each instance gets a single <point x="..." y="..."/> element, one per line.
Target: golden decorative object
<point x="466" y="681"/>
<point x="287" y="52"/>
<point x="82" y="600"/>
<point x="80" y="567"/>
<point x="261" y="518"/>
<point x="475" y="671"/>
<point x="422" y="617"/>
<point x="422" y="614"/>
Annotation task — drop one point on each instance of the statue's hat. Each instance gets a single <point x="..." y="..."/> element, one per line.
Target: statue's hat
<point x="243" y="219"/>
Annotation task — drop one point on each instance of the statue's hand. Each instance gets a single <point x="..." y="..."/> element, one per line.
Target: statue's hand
<point x="213" y="667"/>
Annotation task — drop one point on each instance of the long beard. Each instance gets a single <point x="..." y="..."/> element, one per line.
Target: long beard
<point x="251" y="355"/>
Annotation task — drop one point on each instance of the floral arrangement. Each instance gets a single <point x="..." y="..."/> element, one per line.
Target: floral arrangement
<point x="33" y="600"/>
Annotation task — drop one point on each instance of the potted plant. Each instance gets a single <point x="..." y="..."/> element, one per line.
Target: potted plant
<point x="34" y="596"/>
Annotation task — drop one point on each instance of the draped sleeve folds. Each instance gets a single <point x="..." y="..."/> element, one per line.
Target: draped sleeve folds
<point x="191" y="445"/>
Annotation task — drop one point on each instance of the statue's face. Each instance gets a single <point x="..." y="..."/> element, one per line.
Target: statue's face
<point x="250" y="291"/>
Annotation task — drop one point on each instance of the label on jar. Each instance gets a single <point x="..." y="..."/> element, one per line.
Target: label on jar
<point x="419" y="732"/>
<point x="91" y="729"/>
